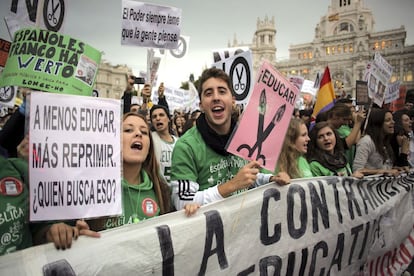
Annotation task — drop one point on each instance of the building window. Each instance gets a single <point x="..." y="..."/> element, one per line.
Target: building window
<point x="262" y="39"/>
<point x="328" y="51"/>
<point x="408" y="76"/>
<point x="344" y="27"/>
<point x="351" y="49"/>
<point x="310" y="55"/>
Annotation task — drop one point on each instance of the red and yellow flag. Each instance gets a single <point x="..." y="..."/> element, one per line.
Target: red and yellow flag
<point x="325" y="98"/>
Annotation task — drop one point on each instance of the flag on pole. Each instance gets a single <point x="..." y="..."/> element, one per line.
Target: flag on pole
<point x="325" y="98"/>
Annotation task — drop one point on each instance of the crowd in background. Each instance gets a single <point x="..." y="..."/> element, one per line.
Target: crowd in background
<point x="342" y="141"/>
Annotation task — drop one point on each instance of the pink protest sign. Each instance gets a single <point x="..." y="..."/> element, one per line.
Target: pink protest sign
<point x="261" y="131"/>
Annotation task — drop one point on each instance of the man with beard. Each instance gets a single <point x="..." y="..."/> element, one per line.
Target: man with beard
<point x="164" y="141"/>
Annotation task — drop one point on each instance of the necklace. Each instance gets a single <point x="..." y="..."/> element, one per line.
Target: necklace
<point x="135" y="217"/>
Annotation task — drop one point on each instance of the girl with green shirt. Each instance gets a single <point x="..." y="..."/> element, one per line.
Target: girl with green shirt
<point x="326" y="155"/>
<point x="144" y="193"/>
<point x="291" y="159"/>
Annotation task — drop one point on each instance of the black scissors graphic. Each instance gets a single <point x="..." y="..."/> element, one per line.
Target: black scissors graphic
<point x="261" y="132"/>
<point x="239" y="76"/>
<point x="51" y="16"/>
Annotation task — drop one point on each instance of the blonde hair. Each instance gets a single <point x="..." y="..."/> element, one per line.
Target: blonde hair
<point x="289" y="155"/>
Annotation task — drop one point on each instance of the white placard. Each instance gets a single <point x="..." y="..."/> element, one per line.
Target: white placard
<point x="148" y="25"/>
<point x="75" y="157"/>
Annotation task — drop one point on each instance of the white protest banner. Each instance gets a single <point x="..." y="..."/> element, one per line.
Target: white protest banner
<point x="392" y="93"/>
<point x="148" y="25"/>
<point x="314" y="226"/>
<point x="180" y="98"/>
<point x="309" y="87"/>
<point x="240" y="69"/>
<point x="261" y="130"/>
<point x="75" y="157"/>
<point x="8" y="96"/>
<point x="44" y="14"/>
<point x="378" y="73"/>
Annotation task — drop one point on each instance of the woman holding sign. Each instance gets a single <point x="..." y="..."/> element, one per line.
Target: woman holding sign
<point x="144" y="193"/>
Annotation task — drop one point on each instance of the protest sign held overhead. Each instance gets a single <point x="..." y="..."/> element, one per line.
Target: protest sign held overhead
<point x="237" y="63"/>
<point x="52" y="62"/>
<point x="148" y="25"/>
<point x="8" y="96"/>
<point x="75" y="159"/>
<point x="268" y="114"/>
<point x="45" y="14"/>
<point x="377" y="74"/>
<point x="178" y="98"/>
<point x="392" y="93"/>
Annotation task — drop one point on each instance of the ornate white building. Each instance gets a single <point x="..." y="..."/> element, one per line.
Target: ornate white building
<point x="345" y="40"/>
<point x="111" y="80"/>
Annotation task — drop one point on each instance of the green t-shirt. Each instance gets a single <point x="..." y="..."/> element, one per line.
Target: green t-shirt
<point x="343" y="132"/>
<point x="304" y="167"/>
<point x="318" y="170"/>
<point x="193" y="160"/>
<point x="14" y="205"/>
<point x="139" y="202"/>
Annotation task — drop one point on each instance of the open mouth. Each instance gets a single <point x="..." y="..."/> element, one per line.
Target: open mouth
<point x="137" y="146"/>
<point x="327" y="145"/>
<point x="217" y="109"/>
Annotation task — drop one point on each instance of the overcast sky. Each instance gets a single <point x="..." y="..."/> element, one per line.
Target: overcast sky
<point x="210" y="24"/>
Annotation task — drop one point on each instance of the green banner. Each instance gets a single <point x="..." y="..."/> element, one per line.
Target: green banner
<point x="52" y="62"/>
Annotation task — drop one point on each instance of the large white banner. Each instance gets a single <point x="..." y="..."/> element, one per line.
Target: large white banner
<point x="315" y="226"/>
<point x="75" y="157"/>
<point x="148" y="25"/>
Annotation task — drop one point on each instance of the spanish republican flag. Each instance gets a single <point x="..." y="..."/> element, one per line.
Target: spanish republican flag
<point x="325" y="98"/>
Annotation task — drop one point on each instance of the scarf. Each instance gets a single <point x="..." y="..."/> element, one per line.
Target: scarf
<point x="333" y="162"/>
<point x="215" y="141"/>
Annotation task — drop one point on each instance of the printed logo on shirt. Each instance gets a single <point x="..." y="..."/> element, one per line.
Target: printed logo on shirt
<point x="11" y="186"/>
<point x="14" y="218"/>
<point x="149" y="207"/>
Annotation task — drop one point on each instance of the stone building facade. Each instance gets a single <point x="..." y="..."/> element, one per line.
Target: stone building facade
<point x="111" y="80"/>
<point x="344" y="40"/>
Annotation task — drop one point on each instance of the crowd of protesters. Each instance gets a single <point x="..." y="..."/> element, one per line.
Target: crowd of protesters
<point x="167" y="155"/>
